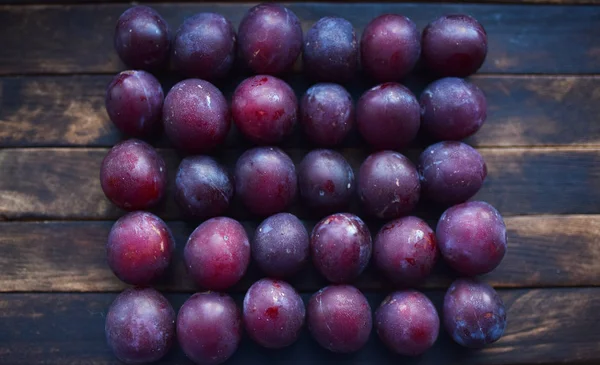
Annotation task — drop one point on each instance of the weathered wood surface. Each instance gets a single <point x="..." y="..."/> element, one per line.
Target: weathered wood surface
<point x="543" y="251"/>
<point x="522" y="38"/>
<point x="522" y="111"/>
<point x="544" y="326"/>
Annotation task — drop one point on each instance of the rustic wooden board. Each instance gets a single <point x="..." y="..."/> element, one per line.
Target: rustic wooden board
<point x="522" y="38"/>
<point x="544" y="326"/>
<point x="523" y="111"/>
<point x="64" y="183"/>
<point x="69" y="256"/>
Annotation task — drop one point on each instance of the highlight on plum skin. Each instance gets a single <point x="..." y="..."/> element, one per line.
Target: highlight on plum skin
<point x="341" y="247"/>
<point x="454" y="45"/>
<point x="265" y="109"/>
<point x="203" y="187"/>
<point x="217" y="253"/>
<point x="209" y="328"/>
<point x="133" y="175"/>
<point x="330" y="50"/>
<point x="204" y="46"/>
<point x="388" y="116"/>
<point x="327" y="114"/>
<point x="196" y="116"/>
<point x="390" y="47"/>
<point x="388" y="185"/>
<point x="139" y="248"/>
<point x="140" y="326"/>
<point x="142" y="38"/>
<point x="265" y="180"/>
<point x="339" y="318"/>
<point x="270" y="39"/>
<point x="273" y="313"/>
<point x="405" y="251"/>
<point x="452" y="109"/>
<point x="474" y="313"/>
<point x="134" y="102"/>
<point x="407" y="322"/>
<point x="280" y="246"/>
<point x="472" y="237"/>
<point x="451" y="172"/>
<point x="326" y="181"/>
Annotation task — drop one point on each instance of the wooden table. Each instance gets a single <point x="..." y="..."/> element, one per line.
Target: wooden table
<point x="541" y="143"/>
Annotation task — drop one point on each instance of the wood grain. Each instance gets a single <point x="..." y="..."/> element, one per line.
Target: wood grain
<point x="522" y="38"/>
<point x="64" y="183"/>
<point x="522" y="111"/>
<point x="70" y="256"/>
<point x="544" y="326"/>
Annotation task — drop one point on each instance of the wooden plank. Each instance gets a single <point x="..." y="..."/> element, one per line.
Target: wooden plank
<point x="544" y="326"/>
<point x="522" y="111"/>
<point x="522" y="38"/>
<point x="64" y="183"/>
<point x="70" y="256"/>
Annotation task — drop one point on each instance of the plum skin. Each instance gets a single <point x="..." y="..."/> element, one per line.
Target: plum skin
<point x="209" y="328"/>
<point x="452" y="109"/>
<point x="407" y="322"/>
<point x="134" y="102"/>
<point x="217" y="253"/>
<point x="203" y="188"/>
<point x="339" y="318"/>
<point x="451" y="172"/>
<point x="273" y="313"/>
<point x="341" y="247"/>
<point x="270" y="39"/>
<point x="196" y="116"/>
<point x="265" y="180"/>
<point x="204" y="46"/>
<point x="140" y="326"/>
<point x="405" y="250"/>
<point x="133" y="176"/>
<point x="280" y="246"/>
<point x="139" y="248"/>
<point x="474" y="313"/>
<point x="472" y="237"/>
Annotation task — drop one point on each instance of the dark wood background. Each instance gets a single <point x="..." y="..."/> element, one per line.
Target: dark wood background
<point x="541" y="143"/>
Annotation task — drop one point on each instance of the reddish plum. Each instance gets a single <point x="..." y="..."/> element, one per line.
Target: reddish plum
<point x="280" y="246"/>
<point x="390" y="47"/>
<point x="265" y="109"/>
<point x="454" y="45"/>
<point x="407" y="322"/>
<point x="339" y="318"/>
<point x="405" y="250"/>
<point x="203" y="188"/>
<point x="388" y="116"/>
<point x="330" y="51"/>
<point x="270" y="39"/>
<point x="139" y="248"/>
<point x="327" y="114"/>
<point x="142" y="38"/>
<point x="273" y="313"/>
<point x="265" y="180"/>
<point x="474" y="314"/>
<point x="452" y="109"/>
<point x="140" y="326"/>
<point x="134" y="102"/>
<point x="388" y="185"/>
<point x="133" y="176"/>
<point x="451" y="172"/>
<point x="196" y="116"/>
<point x="472" y="237"/>
<point x="209" y="328"/>
<point x="217" y="253"/>
<point x="341" y="247"/>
